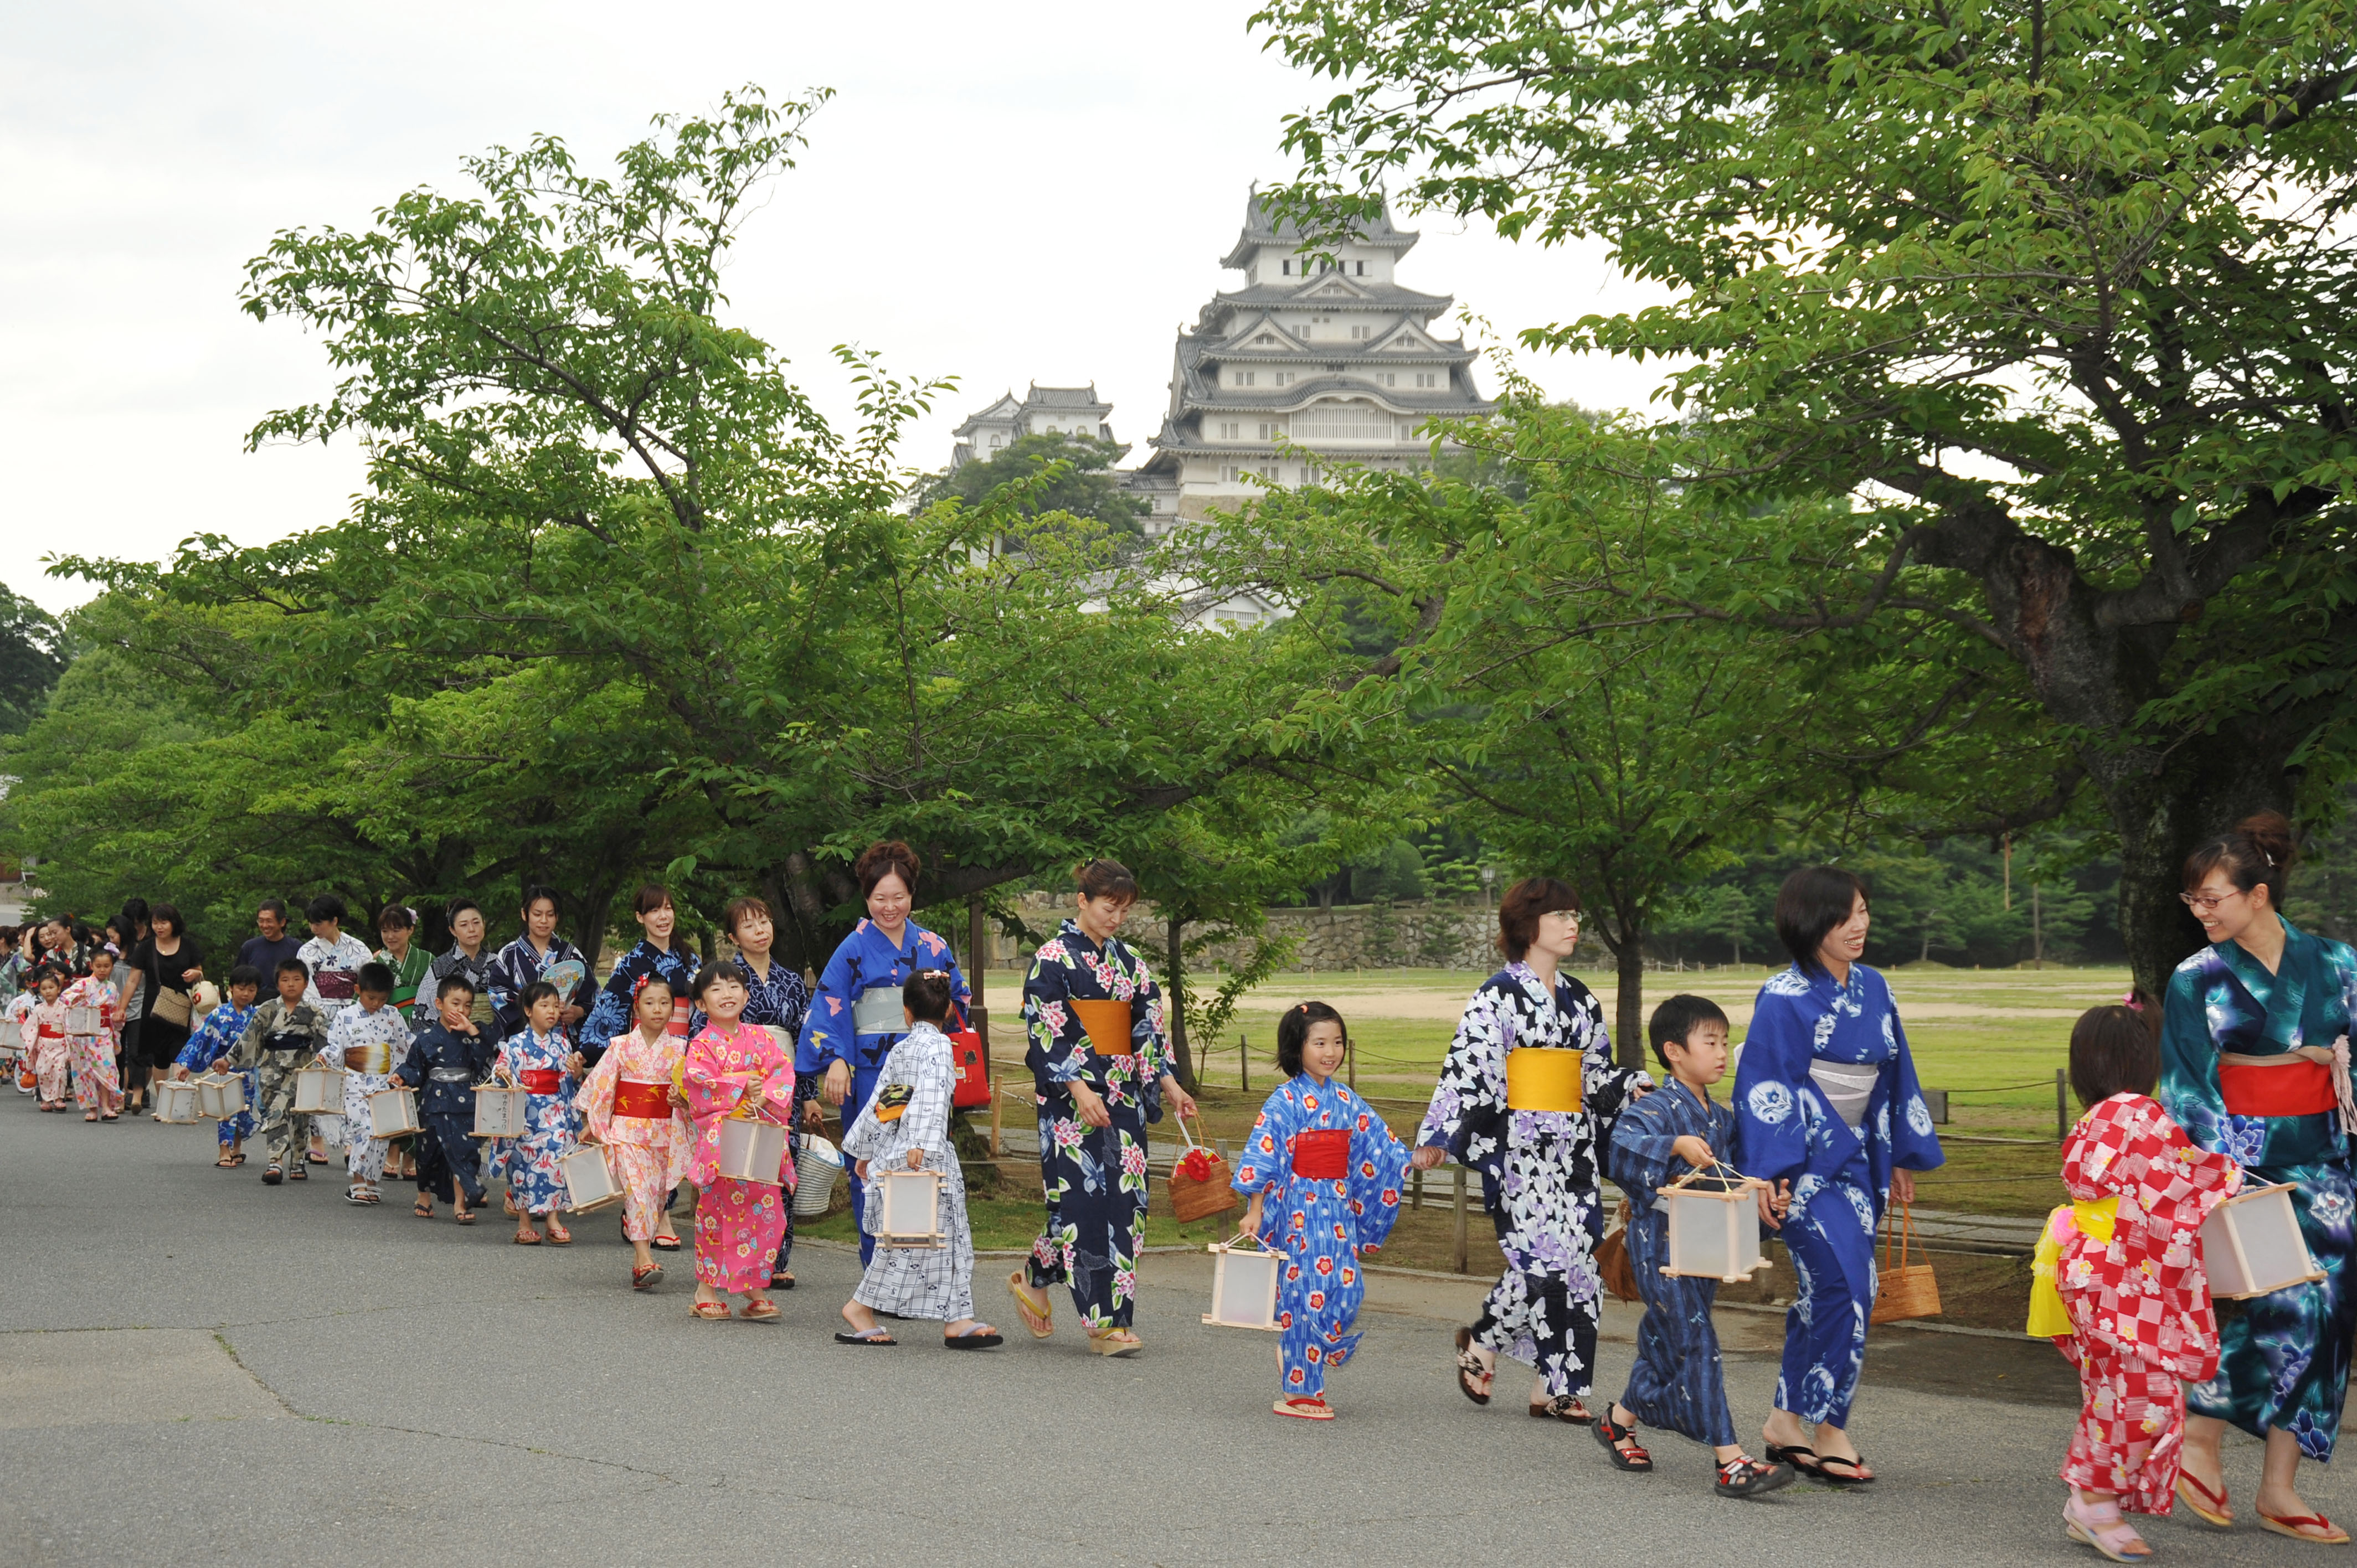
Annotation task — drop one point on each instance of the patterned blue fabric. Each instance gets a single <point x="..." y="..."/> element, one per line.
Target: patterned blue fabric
<point x="518" y="965"/>
<point x="2283" y="1357"/>
<point x="1679" y="1380"/>
<point x="216" y="1037"/>
<point x="1787" y="1131"/>
<point x="611" y="1013"/>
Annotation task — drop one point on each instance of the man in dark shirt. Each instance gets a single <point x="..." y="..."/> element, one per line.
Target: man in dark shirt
<point x="266" y="952"/>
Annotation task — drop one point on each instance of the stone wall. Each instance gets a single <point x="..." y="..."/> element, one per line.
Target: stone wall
<point x="1346" y="937"/>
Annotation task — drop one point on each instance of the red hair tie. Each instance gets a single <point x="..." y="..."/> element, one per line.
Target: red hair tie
<point x="2132" y="1002"/>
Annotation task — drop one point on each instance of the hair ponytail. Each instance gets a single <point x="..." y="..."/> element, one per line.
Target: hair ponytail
<point x="2258" y="852"/>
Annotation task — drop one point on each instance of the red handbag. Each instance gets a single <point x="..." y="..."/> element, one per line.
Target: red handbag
<point x="972" y="1092"/>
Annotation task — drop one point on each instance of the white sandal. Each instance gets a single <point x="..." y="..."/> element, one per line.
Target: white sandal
<point x="2099" y="1525"/>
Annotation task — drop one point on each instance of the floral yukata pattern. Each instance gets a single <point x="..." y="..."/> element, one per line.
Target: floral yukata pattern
<point x="2283" y="1357"/>
<point x="1094" y="1177"/>
<point x="1321" y="1225"/>
<point x="1538" y="1169"/>
<point x="2139" y="1303"/>
<point x="737" y="1223"/>
<point x="1786" y="1130"/>
<point x="551" y="1127"/>
<point x="215" y="1039"/>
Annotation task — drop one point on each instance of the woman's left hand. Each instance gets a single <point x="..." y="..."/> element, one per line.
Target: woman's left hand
<point x="1902" y="1186"/>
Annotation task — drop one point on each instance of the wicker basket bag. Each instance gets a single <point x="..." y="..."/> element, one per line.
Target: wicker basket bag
<point x="1907" y="1290"/>
<point x="1199" y="1182"/>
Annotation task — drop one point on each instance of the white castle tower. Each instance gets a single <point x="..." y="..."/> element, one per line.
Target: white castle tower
<point x="1327" y="352"/>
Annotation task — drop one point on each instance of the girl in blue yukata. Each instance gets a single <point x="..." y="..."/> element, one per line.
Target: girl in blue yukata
<point x="1825" y="1098"/>
<point x="1327" y="1171"/>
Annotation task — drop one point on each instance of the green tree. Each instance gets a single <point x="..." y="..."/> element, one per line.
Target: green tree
<point x="1052" y="472"/>
<point x="30" y="659"/>
<point x="2054" y="291"/>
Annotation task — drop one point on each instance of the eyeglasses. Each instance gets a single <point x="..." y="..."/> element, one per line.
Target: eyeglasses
<point x="2206" y="902"/>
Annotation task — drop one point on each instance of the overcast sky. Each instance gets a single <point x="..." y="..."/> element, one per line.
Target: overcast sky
<point x="999" y="194"/>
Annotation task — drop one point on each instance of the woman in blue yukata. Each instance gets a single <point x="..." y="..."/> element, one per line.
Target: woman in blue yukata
<point x="855" y="1017"/>
<point x="1100" y="1066"/>
<point x="1527" y="1097"/>
<point x="1826" y="1105"/>
<point x="658" y="952"/>
<point x="2254" y="1053"/>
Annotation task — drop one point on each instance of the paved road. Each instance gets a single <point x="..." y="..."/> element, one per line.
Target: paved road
<point x="194" y="1368"/>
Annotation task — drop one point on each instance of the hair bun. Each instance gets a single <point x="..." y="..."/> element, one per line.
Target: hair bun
<point x="2270" y="833"/>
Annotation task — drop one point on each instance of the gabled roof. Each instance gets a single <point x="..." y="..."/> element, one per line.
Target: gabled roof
<point x="1260" y="229"/>
<point x="997" y="412"/>
<point x="1066" y="398"/>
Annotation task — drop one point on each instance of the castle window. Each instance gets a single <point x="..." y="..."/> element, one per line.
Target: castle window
<point x="1240" y="378"/>
<point x="1362" y="269"/>
<point x="1362" y="331"/>
<point x="1285" y="378"/>
<point x="1428" y="378"/>
<point x="1263" y="340"/>
<point x="1285" y="267"/>
<point x="1266" y="429"/>
<point x="1229" y="429"/>
<point x="1388" y="379"/>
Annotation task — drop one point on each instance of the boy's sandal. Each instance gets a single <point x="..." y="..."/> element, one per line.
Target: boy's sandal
<point x="272" y="1176"/>
<point x="642" y="1278"/>
<point x="314" y="1157"/>
<point x="1040" y="1321"/>
<point x="361" y="1194"/>
<point x="666" y="1243"/>
<point x="1857" y="1469"/>
<point x="1304" y="1408"/>
<point x="2312" y="1527"/>
<point x="297" y="1172"/>
<point x="1116" y="1342"/>
<point x="872" y="1336"/>
<point x="558" y="1236"/>
<point x="1564" y="1407"/>
<point x="1612" y="1434"/>
<point x="759" y="1310"/>
<point x="463" y="1217"/>
<point x="781" y="1281"/>
<point x="227" y="1162"/>
<point x="2099" y="1525"/>
<point x="2209" y="1507"/>
<point x="1744" y="1476"/>
<point x="1470" y="1367"/>
<point x="981" y="1337"/>
<point x="710" y="1311"/>
<point x="525" y="1237"/>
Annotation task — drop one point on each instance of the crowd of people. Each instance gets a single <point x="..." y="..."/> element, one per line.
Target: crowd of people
<point x="2236" y="1080"/>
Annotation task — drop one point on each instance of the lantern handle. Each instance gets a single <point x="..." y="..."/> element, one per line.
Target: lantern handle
<point x="1715" y="1168"/>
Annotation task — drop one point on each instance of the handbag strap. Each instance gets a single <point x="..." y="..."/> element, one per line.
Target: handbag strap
<point x="1898" y="1233"/>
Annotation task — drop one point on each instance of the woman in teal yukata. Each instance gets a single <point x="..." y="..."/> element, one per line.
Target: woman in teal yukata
<point x="1097" y="1087"/>
<point x="2247" y="1051"/>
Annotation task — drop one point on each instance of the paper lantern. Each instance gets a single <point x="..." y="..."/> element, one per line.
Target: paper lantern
<point x="221" y="1096"/>
<point x="753" y="1150"/>
<point x="499" y="1112"/>
<point x="590" y="1183"/>
<point x="81" y="1020"/>
<point x="175" y="1101"/>
<point x="2251" y="1245"/>
<point x="393" y="1113"/>
<point x="1243" y="1284"/>
<point x="1714" y="1227"/>
<point x="318" y="1091"/>
<point x="908" y="1211"/>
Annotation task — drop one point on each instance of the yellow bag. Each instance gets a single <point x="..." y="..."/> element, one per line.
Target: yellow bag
<point x="2049" y="1318"/>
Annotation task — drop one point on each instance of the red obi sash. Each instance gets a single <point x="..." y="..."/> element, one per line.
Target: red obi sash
<point x="1323" y="1156"/>
<point x="2295" y="1089"/>
<point x="635" y="1097"/>
<point x="336" y="984"/>
<point x="542" y="1081"/>
<point x="45" y="1033"/>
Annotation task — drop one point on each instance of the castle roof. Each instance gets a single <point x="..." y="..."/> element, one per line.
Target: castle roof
<point x="1261" y="228"/>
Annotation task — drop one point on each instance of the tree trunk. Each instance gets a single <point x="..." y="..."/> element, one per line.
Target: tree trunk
<point x="1174" y="988"/>
<point x="1628" y="1011"/>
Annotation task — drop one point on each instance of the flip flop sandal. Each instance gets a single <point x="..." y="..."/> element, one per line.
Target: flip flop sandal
<point x="1564" y="1407"/>
<point x="110" y="1116"/>
<point x="558" y="1236"/>
<point x="2209" y="1507"/>
<point x="225" y="1163"/>
<point x="761" y="1309"/>
<point x="642" y="1278"/>
<point x="1302" y="1409"/>
<point x="781" y="1281"/>
<point x="1803" y="1460"/>
<point x="2295" y="1525"/>
<point x="980" y="1338"/>
<point x="1612" y="1434"/>
<point x="510" y="1204"/>
<point x="313" y="1157"/>
<point x="237" y="1159"/>
<point x="1825" y="1462"/>
<point x="1041" y="1323"/>
<point x="873" y="1336"/>
<point x="423" y="1209"/>
<point x="527" y="1238"/>
<point x="1470" y="1367"/>
<point x="711" y="1311"/>
<point x="666" y="1243"/>
<point x="465" y="1216"/>
<point x="1744" y="1476"/>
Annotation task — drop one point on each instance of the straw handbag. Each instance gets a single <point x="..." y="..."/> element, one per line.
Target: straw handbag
<point x="1612" y="1262"/>
<point x="1199" y="1182"/>
<point x="1908" y="1290"/>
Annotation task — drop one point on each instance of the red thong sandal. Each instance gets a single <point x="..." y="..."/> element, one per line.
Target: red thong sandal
<point x="1303" y="1408"/>
<point x="2210" y="1507"/>
<point x="642" y="1278"/>
<point x="2298" y="1526"/>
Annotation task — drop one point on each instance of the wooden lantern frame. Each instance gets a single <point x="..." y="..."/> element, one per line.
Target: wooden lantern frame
<point x="318" y="1091"/>
<point x="393" y="1113"/>
<point x="501" y="1110"/>
<point x="589" y="1175"/>
<point x="179" y="1101"/>
<point x="753" y="1150"/>
<point x="1245" y="1277"/>
<point x="1730" y="1234"/>
<point x="904" y="1199"/>
<point x="221" y="1096"/>
<point x="2226" y="1252"/>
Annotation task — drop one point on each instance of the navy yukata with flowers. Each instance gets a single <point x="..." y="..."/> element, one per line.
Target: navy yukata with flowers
<point x="1539" y="1168"/>
<point x="1320" y="1224"/>
<point x="1788" y="1130"/>
<point x="1094" y="1177"/>
<point x="1679" y="1380"/>
<point x="2283" y="1357"/>
<point x="612" y="1013"/>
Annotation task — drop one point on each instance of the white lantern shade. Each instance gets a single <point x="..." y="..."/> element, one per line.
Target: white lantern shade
<point x="907" y="1211"/>
<point x="81" y="1020"/>
<point x="1244" y="1286"/>
<point x="589" y="1181"/>
<point x="393" y="1113"/>
<point x="175" y="1101"/>
<point x="2251" y="1245"/>
<point x="220" y="1096"/>
<point x="500" y="1112"/>
<point x="318" y="1091"/>
<point x="753" y="1150"/>
<point x="1713" y="1235"/>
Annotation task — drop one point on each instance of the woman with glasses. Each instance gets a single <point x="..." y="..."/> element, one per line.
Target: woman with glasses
<point x="1827" y="1103"/>
<point x="1527" y="1094"/>
<point x="2248" y="1069"/>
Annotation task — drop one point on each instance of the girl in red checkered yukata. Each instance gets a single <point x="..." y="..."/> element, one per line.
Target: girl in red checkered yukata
<point x="2125" y="1259"/>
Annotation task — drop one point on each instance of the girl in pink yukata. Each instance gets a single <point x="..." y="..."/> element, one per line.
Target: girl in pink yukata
<point x="543" y="1061"/>
<point x="98" y="1087"/>
<point x="1327" y="1172"/>
<point x="732" y="1069"/>
<point x="627" y="1107"/>
<point x="46" y="1044"/>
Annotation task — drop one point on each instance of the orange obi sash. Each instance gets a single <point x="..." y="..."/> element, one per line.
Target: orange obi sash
<point x="2298" y="1087"/>
<point x="1108" y="1023"/>
<point x="1322" y="1156"/>
<point x="542" y="1081"/>
<point x="637" y="1097"/>
<point x="1543" y="1078"/>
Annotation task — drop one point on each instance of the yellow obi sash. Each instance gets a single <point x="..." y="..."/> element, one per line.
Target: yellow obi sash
<point x="2091" y="1217"/>
<point x="376" y="1057"/>
<point x="1541" y="1079"/>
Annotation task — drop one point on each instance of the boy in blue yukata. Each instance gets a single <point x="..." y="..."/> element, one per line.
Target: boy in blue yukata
<point x="1679" y="1382"/>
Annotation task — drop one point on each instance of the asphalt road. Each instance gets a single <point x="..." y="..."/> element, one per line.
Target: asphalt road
<point x="194" y="1368"/>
